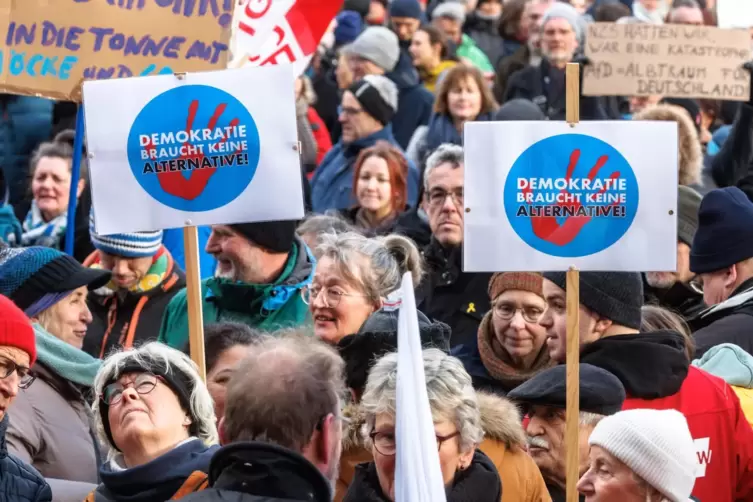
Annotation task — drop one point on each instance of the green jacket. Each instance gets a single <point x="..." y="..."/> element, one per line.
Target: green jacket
<point x="266" y="307"/>
<point x="470" y="51"/>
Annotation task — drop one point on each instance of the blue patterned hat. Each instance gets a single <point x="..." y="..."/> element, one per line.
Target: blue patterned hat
<point x="133" y="245"/>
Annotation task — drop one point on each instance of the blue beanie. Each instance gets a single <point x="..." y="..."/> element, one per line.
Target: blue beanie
<point x="349" y="26"/>
<point x="725" y="231"/>
<point x="133" y="245"/>
<point x="406" y="8"/>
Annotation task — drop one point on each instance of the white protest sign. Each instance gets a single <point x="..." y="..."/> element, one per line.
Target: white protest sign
<point x="544" y="196"/>
<point x="734" y="13"/>
<point x="196" y="149"/>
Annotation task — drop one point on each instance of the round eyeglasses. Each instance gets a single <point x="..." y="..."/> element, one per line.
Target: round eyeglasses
<point x="143" y="384"/>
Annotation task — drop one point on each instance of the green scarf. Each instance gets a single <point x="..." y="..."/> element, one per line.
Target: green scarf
<point x="71" y="363"/>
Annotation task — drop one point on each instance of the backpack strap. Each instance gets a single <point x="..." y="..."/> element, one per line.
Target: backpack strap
<point x="196" y="482"/>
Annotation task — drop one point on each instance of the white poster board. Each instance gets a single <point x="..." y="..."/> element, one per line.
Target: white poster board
<point x="196" y="149"/>
<point x="734" y="13"/>
<point x="544" y="196"/>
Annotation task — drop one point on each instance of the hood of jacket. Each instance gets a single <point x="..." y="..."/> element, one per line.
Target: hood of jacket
<point x="730" y="363"/>
<point x="267" y="470"/>
<point x="649" y="365"/>
<point x="351" y="150"/>
<point x="690" y="158"/>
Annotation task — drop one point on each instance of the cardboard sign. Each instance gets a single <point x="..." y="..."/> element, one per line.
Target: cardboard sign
<point x="51" y="47"/>
<point x="669" y="60"/>
<point x="600" y="196"/>
<point x="734" y="13"/>
<point x="198" y="150"/>
<point x="268" y="32"/>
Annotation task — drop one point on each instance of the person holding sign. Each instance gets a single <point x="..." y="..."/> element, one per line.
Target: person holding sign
<point x="656" y="373"/>
<point x="262" y="269"/>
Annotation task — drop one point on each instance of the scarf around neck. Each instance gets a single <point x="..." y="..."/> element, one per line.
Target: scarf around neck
<point x="70" y="363"/>
<point x="37" y="232"/>
<point x="160" y="267"/>
<point x="442" y="130"/>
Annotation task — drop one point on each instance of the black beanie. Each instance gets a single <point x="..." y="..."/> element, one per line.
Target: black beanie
<point x="618" y="296"/>
<point x="372" y="101"/>
<point x="725" y="231"/>
<point x="274" y="236"/>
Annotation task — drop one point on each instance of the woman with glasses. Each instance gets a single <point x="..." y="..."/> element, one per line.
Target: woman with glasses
<point x="480" y="438"/>
<point x="354" y="278"/>
<point x="50" y="426"/>
<point x="511" y="343"/>
<point x="155" y="414"/>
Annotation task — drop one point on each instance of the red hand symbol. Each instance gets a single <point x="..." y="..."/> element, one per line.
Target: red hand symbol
<point x="547" y="227"/>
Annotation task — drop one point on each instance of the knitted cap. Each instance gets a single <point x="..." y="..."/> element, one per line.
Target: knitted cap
<point x="379" y="45"/>
<point x="274" y="236"/>
<point x="655" y="444"/>
<point x="618" y="296"/>
<point x="522" y="281"/>
<point x="725" y="231"/>
<point x="133" y="245"/>
<point x="16" y="330"/>
<point x="349" y="26"/>
<point x="561" y="10"/>
<point x="406" y="8"/>
<point x="452" y="10"/>
<point x="28" y="274"/>
<point x="378" y="95"/>
<point x="688" y="203"/>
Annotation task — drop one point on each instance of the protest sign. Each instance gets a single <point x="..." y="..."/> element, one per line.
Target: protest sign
<point x="215" y="147"/>
<point x="51" y="47"/>
<point x="669" y="60"/>
<point x="734" y="13"/>
<point x="600" y="196"/>
<point x="268" y="32"/>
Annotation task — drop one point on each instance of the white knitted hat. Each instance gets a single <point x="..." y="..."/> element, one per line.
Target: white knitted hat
<point x="655" y="444"/>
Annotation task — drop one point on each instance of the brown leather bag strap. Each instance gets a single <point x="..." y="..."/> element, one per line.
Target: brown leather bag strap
<point x="196" y="482"/>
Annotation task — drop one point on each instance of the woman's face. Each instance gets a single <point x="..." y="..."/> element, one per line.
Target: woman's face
<point x="219" y="375"/>
<point x="609" y="480"/>
<point x="464" y="100"/>
<point x="51" y="186"/>
<point x="340" y="308"/>
<point x="150" y="422"/>
<point x="69" y="318"/>
<point x="373" y="188"/>
<point x="515" y="320"/>
<point x="451" y="459"/>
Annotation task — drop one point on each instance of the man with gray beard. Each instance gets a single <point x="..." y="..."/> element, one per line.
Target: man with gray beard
<point x="677" y="290"/>
<point x="543" y="399"/>
<point x="282" y="429"/>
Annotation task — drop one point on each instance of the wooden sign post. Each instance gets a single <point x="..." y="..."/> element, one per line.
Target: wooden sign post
<point x="572" y="116"/>
<point x="193" y="293"/>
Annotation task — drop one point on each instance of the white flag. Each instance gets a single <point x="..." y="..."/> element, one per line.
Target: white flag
<point x="418" y="477"/>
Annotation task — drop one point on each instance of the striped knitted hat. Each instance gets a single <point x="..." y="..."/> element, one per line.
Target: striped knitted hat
<point x="133" y="245"/>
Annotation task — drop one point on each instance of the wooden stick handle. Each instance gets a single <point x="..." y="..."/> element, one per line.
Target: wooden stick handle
<point x="572" y="93"/>
<point x="572" y="412"/>
<point x="193" y="293"/>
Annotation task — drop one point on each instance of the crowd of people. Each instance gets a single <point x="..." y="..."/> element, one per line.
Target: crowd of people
<point x="100" y="401"/>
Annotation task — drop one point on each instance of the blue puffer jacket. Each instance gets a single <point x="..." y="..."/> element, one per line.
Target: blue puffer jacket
<point x="332" y="185"/>
<point x="19" y="482"/>
<point x="414" y="104"/>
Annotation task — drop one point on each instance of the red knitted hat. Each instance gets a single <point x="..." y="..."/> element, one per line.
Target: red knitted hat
<point x="524" y="281"/>
<point x="16" y="329"/>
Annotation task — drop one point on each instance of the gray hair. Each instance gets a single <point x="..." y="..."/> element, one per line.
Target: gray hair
<point x="161" y="358"/>
<point x="376" y="265"/>
<point x="586" y="418"/>
<point x="451" y="395"/>
<point x="446" y="153"/>
<point x="323" y="223"/>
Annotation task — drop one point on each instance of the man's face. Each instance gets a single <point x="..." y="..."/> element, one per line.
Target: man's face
<point x="554" y="319"/>
<point x="558" y="41"/>
<point x="361" y="67"/>
<point x="492" y="8"/>
<point x="444" y="204"/>
<point x="451" y="28"/>
<point x="686" y="15"/>
<point x="665" y="280"/>
<point x="238" y="259"/>
<point x="531" y="20"/>
<point x="356" y="123"/>
<point x="126" y="272"/>
<point x="405" y="27"/>
<point x="718" y="286"/>
<point x="638" y="103"/>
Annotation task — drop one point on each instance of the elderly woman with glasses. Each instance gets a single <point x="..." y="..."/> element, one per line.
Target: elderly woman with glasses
<point x="157" y="417"/>
<point x="479" y="437"/>
<point x="355" y="276"/>
<point x="511" y="343"/>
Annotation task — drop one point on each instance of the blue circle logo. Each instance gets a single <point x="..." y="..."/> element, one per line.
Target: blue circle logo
<point x="194" y="148"/>
<point x="571" y="195"/>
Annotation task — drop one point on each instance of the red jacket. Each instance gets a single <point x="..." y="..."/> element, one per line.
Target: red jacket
<point x="723" y="437"/>
<point x="321" y="135"/>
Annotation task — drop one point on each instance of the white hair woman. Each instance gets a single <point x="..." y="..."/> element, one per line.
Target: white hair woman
<point x="467" y="472"/>
<point x="355" y="276"/>
<point x="640" y="456"/>
<point x="157" y="416"/>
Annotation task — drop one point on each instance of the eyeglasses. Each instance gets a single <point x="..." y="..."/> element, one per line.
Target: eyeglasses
<point x="507" y="311"/>
<point x="438" y="196"/>
<point x="350" y="112"/>
<point x="332" y="296"/>
<point x="385" y="442"/>
<point x="143" y="384"/>
<point x="8" y="367"/>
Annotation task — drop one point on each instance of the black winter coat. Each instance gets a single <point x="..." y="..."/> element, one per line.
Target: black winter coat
<point x="728" y="322"/>
<point x="733" y="165"/>
<point x="19" y="482"/>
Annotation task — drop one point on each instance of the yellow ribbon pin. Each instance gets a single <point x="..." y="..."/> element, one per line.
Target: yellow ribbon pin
<point x="471" y="308"/>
